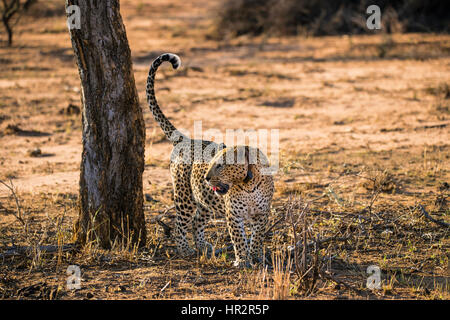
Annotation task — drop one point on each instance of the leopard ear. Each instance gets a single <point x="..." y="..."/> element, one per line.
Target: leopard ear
<point x="247" y="154"/>
<point x="249" y="175"/>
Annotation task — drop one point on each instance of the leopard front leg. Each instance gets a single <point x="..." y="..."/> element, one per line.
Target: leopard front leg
<point x="201" y="217"/>
<point x="236" y="229"/>
<point x="258" y="229"/>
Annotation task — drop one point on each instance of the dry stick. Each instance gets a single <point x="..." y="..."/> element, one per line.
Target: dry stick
<point x="156" y="248"/>
<point x="166" y="228"/>
<point x="15" y="251"/>
<point x="328" y="276"/>
<point x="164" y="288"/>
<point x="289" y="213"/>
<point x="305" y="247"/>
<point x="315" y="265"/>
<point x="273" y="226"/>
<point x="439" y="222"/>
<point x="13" y="193"/>
<point x="372" y="201"/>
<point x="300" y="265"/>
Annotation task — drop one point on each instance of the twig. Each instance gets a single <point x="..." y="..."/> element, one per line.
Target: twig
<point x="439" y="222"/>
<point x="156" y="248"/>
<point x="432" y="126"/>
<point x="289" y="213"/>
<point x="164" y="288"/>
<point x="305" y="247"/>
<point x="315" y="265"/>
<point x="13" y="193"/>
<point x="273" y="226"/>
<point x="167" y="229"/>
<point x="375" y="195"/>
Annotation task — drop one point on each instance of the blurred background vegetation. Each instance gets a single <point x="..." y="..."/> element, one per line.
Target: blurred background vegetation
<point x="234" y="18"/>
<point x="328" y="17"/>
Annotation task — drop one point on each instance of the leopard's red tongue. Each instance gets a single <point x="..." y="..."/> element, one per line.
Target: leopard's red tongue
<point x="214" y="188"/>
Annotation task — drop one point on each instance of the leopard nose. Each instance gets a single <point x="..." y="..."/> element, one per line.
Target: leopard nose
<point x="207" y="178"/>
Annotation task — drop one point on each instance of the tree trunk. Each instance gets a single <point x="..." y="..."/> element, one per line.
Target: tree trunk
<point x="111" y="198"/>
<point x="8" y="11"/>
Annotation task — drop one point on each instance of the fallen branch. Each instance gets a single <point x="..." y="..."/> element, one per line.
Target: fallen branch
<point x="49" y="249"/>
<point x="432" y="126"/>
<point x="325" y="275"/>
<point x="323" y="241"/>
<point x="438" y="222"/>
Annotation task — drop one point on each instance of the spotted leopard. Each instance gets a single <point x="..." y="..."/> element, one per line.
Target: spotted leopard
<point x="204" y="181"/>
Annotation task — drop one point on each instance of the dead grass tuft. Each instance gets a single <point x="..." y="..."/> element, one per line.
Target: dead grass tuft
<point x="381" y="181"/>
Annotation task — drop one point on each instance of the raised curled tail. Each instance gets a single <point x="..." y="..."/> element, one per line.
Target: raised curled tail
<point x="169" y="130"/>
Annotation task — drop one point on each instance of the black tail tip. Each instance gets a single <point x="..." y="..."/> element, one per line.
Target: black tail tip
<point x="172" y="58"/>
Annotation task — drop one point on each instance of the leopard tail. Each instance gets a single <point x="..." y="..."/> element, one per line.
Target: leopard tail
<point x="169" y="130"/>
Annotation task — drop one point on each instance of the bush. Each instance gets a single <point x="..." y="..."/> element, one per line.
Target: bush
<point x="329" y="17"/>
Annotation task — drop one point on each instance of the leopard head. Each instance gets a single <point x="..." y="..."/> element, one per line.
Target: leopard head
<point x="229" y="166"/>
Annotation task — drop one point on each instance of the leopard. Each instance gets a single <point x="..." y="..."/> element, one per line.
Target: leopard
<point x="210" y="178"/>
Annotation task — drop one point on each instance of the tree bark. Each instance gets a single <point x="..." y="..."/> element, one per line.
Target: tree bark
<point x="111" y="198"/>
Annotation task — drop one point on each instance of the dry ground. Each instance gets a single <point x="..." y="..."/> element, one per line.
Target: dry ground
<point x="364" y="130"/>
